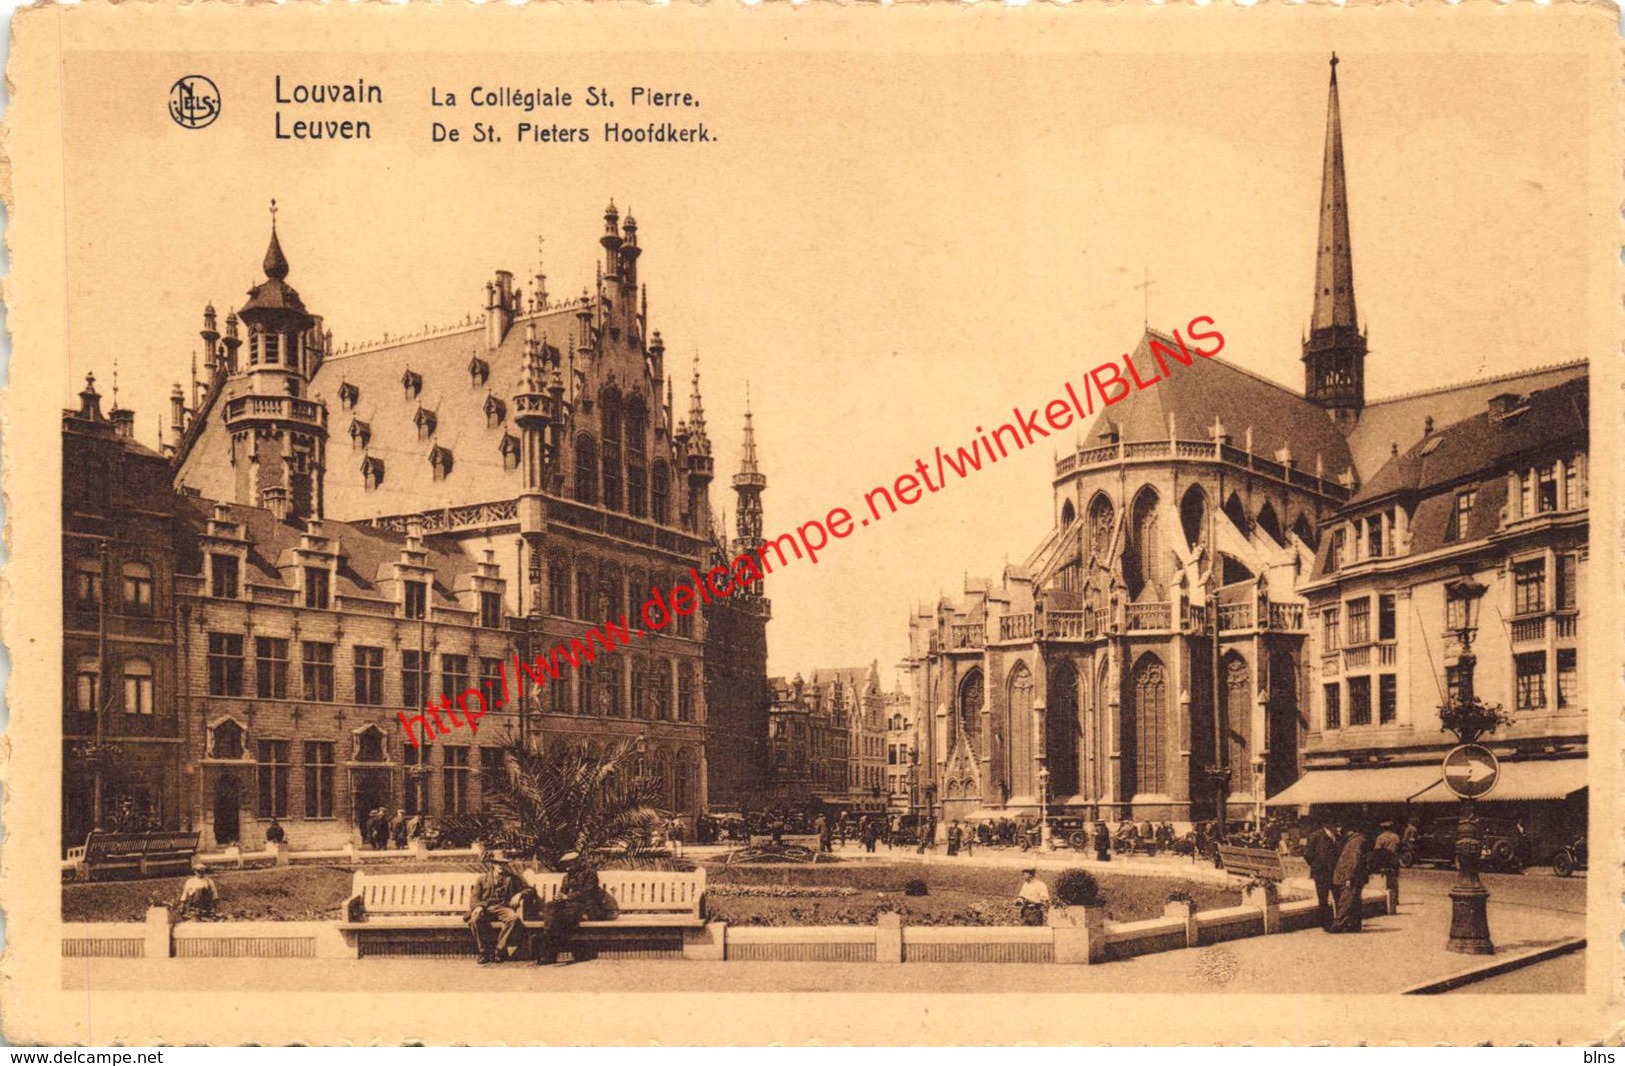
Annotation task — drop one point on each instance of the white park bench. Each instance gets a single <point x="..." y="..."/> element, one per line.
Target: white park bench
<point x="426" y="913"/>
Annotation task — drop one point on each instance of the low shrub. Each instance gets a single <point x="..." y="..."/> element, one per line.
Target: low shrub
<point x="1180" y="895"/>
<point x="915" y="886"/>
<point x="1077" y="888"/>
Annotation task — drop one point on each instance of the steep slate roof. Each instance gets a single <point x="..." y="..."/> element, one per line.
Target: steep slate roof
<point x="1399" y="419"/>
<point x="365" y="552"/>
<point x="854" y="677"/>
<point x="1215" y="388"/>
<point x="449" y="393"/>
<point x="1482" y="444"/>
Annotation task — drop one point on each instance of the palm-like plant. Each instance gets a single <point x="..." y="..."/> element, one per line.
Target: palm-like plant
<point x="547" y="805"/>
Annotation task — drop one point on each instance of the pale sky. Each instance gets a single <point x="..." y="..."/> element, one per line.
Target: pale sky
<point x="892" y="249"/>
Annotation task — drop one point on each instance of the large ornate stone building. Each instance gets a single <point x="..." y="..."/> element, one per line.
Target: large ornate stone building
<point x="1152" y="657"/>
<point x="357" y="530"/>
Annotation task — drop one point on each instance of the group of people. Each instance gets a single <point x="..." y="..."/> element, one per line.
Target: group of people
<point x="503" y="906"/>
<point x="381" y="829"/>
<point x="1342" y="856"/>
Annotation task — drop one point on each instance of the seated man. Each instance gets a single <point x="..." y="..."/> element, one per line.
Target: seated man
<point x="199" y="894"/>
<point x="580" y="899"/>
<point x="495" y="909"/>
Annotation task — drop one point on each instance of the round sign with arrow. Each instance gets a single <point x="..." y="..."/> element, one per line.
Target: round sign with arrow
<point x="1471" y="771"/>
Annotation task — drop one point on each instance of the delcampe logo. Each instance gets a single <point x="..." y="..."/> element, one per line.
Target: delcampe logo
<point x="194" y="102"/>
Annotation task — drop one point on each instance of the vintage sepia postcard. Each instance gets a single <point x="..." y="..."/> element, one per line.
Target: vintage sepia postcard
<point x="916" y="524"/>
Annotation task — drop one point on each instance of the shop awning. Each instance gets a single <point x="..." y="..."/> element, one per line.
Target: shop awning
<point x="1534" y="779"/>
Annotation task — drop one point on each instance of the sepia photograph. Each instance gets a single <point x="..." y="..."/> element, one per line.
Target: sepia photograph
<point x="1068" y="507"/>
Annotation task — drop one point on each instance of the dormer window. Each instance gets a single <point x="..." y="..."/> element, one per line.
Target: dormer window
<point x="510" y="451"/>
<point x="425" y="421"/>
<point x="495" y="412"/>
<point x="415" y="599"/>
<point x="348" y="395"/>
<point x="360" y="433"/>
<point x="440" y="459"/>
<point x="478" y="371"/>
<point x="372" y="472"/>
<point x="412" y="382"/>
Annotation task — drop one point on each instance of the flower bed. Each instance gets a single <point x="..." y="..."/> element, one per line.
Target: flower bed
<point x="855" y="894"/>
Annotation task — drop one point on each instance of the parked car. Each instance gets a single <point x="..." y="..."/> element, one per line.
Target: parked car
<point x="1503" y="844"/>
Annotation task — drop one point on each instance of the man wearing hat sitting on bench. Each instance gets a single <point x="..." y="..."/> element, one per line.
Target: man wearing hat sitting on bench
<point x="495" y="909"/>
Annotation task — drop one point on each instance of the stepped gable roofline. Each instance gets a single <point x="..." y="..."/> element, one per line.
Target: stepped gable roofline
<point x="366" y="553"/>
<point x="1479" y="445"/>
<point x="1238" y="397"/>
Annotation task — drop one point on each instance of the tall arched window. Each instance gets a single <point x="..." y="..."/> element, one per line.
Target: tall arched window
<point x="640" y="690"/>
<point x="610" y="419"/>
<point x="87" y="684"/>
<point x="586" y="468"/>
<point x="1270" y="523"/>
<point x="586" y="692"/>
<point x="660" y="690"/>
<point x="660" y="778"/>
<point x="1018" y="766"/>
<point x="1146" y="564"/>
<point x="586" y="590"/>
<point x="1101" y="516"/>
<point x="1061" y="730"/>
<point x="137" y="588"/>
<point x="1150" y="725"/>
<point x="558" y="588"/>
<point x="1193" y="516"/>
<point x="1306" y="532"/>
<point x="971" y="692"/>
<point x="1069" y="514"/>
<point x="660" y="493"/>
<point x="137" y="686"/>
<point x="682" y="793"/>
<point x="87" y="582"/>
<point x="1235" y="719"/>
<point x="637" y="468"/>
<point x="609" y="679"/>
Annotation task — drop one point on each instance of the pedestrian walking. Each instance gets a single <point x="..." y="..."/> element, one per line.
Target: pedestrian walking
<point x="1103" y="843"/>
<point x="1385" y="859"/>
<point x="398" y="828"/>
<point x="955" y="837"/>
<point x="1321" y="853"/>
<point x="1348" y="881"/>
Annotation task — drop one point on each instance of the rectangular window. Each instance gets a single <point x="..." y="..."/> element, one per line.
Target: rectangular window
<point x="1526" y="494"/>
<point x="455" y="779"/>
<point x="558" y="591"/>
<point x="1452" y="685"/>
<point x="137" y="687"/>
<point x="1546" y="487"/>
<point x="583" y="594"/>
<point x="1334" y="555"/>
<point x="493" y="770"/>
<point x="1461" y="515"/>
<point x="223" y="576"/>
<point x="584" y="689"/>
<point x="1359" y="621"/>
<point x="416" y="600"/>
<point x="316" y="658"/>
<point x="454" y="675"/>
<point x="369" y="675"/>
<point x="417" y="779"/>
<point x="1329" y="632"/>
<point x="137" y="590"/>
<point x="491" y="681"/>
<point x="1387" y="628"/>
<point x="1530" y="668"/>
<point x="491" y="610"/>
<point x="87" y="583"/>
<point x="87" y="687"/>
<point x="1359" y="701"/>
<point x="1529" y="587"/>
<point x="225" y="664"/>
<point x="1568" y="582"/>
<point x="1574" y="488"/>
<point x="414" y="677"/>
<point x="1387" y="698"/>
<point x="271" y="668"/>
<point x="1568" y="677"/>
<point x="316" y="587"/>
<point x="1373" y="537"/>
<point x="318" y="779"/>
<point x="273" y="778"/>
<point x="1334" y="708"/>
<point x="558" y="698"/>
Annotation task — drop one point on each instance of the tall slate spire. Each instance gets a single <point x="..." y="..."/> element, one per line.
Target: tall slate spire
<point x="1334" y="351"/>
<point x="1334" y="262"/>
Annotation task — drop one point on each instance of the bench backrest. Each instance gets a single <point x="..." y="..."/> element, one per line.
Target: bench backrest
<point x="636" y="891"/>
<point x="1261" y="863"/>
<point x="132" y="845"/>
<point x="422" y="893"/>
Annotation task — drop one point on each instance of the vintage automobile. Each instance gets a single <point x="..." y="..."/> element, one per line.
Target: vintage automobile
<point x="1504" y="846"/>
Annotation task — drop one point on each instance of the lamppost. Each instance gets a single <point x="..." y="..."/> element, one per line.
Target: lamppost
<point x="1043" y="806"/>
<point x="1468" y="718"/>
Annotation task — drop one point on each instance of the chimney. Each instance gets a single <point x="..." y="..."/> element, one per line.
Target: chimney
<point x="499" y="309"/>
<point x="123" y="420"/>
<point x="1427" y="425"/>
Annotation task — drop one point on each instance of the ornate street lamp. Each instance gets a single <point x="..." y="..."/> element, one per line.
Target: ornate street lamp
<point x="1043" y="806"/>
<point x="1469" y="718"/>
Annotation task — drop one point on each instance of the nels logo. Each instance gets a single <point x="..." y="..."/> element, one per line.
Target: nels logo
<point x="194" y="102"/>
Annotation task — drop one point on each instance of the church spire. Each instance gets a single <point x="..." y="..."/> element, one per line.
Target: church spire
<point x="1334" y="262"/>
<point x="276" y="264"/>
<point x="1334" y="352"/>
<point x="748" y="485"/>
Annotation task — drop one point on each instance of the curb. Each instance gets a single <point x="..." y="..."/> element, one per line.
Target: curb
<point x="1495" y="969"/>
